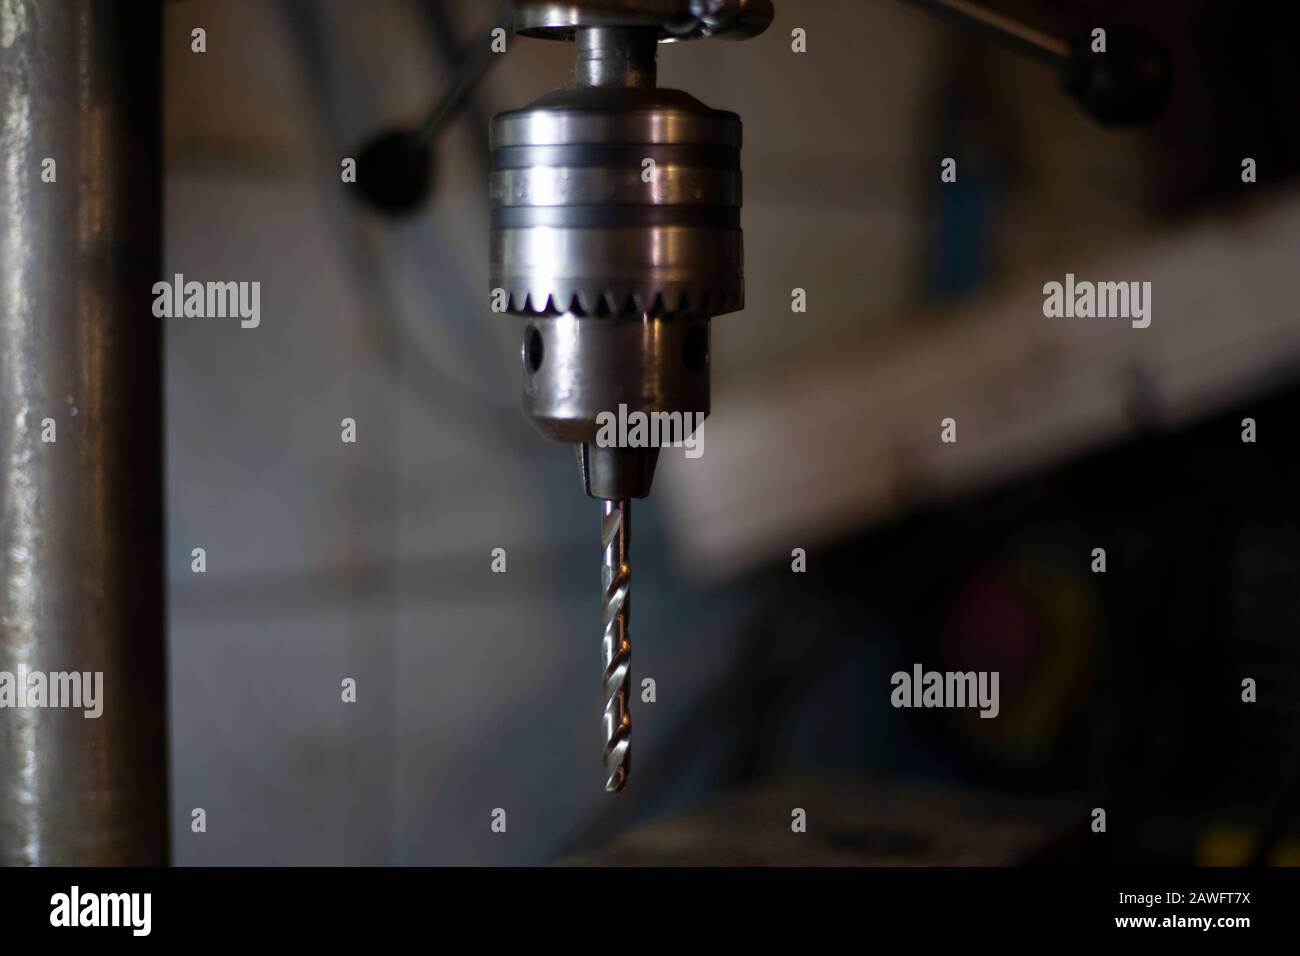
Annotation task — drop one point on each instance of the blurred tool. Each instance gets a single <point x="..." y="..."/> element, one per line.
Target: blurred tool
<point x="395" y="168"/>
<point x="1127" y="83"/>
<point x="616" y="234"/>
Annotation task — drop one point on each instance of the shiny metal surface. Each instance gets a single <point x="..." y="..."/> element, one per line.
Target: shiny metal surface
<point x="615" y="645"/>
<point x="582" y="224"/>
<point x="732" y="19"/>
<point x="575" y="368"/>
<point x="613" y="473"/>
<point x="616" y="116"/>
<point x="674" y="185"/>
<point x="581" y="220"/>
<point x="661" y="268"/>
<point x="617" y="57"/>
<point x="552" y="20"/>
<point x="674" y="19"/>
<point x="81" y="526"/>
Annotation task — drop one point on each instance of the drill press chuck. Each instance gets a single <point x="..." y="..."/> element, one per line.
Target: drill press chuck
<point x="616" y="238"/>
<point x="616" y="233"/>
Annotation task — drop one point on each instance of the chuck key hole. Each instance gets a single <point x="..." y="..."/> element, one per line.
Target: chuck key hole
<point x="695" y="348"/>
<point x="534" y="350"/>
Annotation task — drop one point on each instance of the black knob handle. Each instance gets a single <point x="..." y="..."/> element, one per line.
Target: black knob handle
<point x="395" y="172"/>
<point x="1128" y="84"/>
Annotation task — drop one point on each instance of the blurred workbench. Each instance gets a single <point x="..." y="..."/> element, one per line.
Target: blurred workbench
<point x="850" y="823"/>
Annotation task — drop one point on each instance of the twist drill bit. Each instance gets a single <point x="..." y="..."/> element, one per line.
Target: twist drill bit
<point x="616" y="649"/>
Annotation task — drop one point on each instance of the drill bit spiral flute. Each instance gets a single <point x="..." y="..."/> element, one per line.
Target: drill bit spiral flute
<point x="616" y="237"/>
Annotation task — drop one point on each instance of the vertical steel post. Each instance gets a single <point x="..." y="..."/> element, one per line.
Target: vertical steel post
<point x="81" y="524"/>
